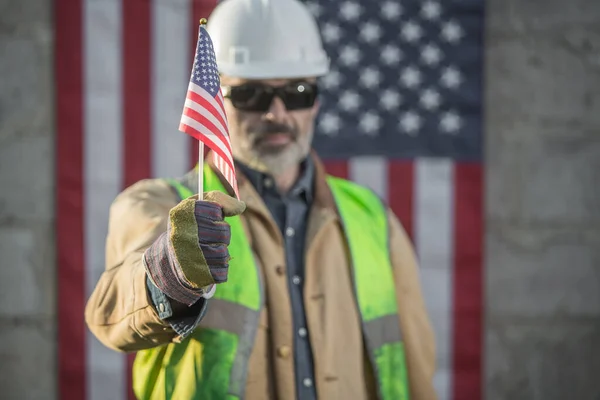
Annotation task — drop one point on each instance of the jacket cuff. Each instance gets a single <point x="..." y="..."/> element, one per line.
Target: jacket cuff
<point x="163" y="270"/>
<point x="183" y="323"/>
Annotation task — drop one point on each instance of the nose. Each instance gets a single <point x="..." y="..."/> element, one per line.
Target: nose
<point x="276" y="111"/>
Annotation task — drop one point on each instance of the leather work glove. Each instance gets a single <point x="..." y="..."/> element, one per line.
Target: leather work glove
<point x="192" y="254"/>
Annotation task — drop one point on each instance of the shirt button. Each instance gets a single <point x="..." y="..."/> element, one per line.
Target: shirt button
<point x="296" y="280"/>
<point x="268" y="183"/>
<point x="302" y="332"/>
<point x="289" y="232"/>
<point x="161" y="307"/>
<point x="307" y="382"/>
<point x="284" y="351"/>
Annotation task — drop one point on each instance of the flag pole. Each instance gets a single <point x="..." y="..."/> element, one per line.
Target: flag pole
<point x="200" y="169"/>
<point x="201" y="150"/>
<point x="209" y="291"/>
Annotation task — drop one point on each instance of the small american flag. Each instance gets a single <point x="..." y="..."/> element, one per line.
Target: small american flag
<point x="203" y="113"/>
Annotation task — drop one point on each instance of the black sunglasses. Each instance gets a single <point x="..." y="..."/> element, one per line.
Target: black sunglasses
<point x="258" y="97"/>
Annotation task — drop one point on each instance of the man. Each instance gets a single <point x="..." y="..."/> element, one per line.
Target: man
<point x="317" y="289"/>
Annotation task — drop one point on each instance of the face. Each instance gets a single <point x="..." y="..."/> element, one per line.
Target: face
<point x="275" y="138"/>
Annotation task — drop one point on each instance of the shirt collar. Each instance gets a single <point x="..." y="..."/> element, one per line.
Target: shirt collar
<point x="263" y="182"/>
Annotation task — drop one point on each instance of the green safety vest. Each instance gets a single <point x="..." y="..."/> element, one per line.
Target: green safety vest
<point x="211" y="362"/>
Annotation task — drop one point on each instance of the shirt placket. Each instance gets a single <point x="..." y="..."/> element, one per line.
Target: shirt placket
<point x="294" y="238"/>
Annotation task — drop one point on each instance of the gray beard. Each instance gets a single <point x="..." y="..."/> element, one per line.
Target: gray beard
<point x="276" y="163"/>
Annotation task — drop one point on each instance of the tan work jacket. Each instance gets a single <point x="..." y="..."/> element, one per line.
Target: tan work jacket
<point x="120" y="313"/>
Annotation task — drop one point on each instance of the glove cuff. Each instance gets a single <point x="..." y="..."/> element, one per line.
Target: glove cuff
<point x="161" y="269"/>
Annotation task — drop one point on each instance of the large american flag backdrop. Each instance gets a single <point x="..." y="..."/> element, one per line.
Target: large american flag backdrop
<point x="401" y="113"/>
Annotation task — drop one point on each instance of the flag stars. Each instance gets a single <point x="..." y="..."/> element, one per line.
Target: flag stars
<point x="411" y="77"/>
<point x="370" y="123"/>
<point x="410" y="123"/>
<point x="330" y="124"/>
<point x="430" y="99"/>
<point x="450" y="122"/>
<point x="390" y="55"/>
<point x="331" y="32"/>
<point x="431" y="10"/>
<point x="411" y="32"/>
<point x="391" y="10"/>
<point x="332" y="79"/>
<point x="390" y="99"/>
<point x="350" y="10"/>
<point x="370" y="32"/>
<point x="350" y="55"/>
<point x="431" y="54"/>
<point x="370" y="77"/>
<point x="451" y="78"/>
<point x="349" y="101"/>
<point x="400" y="80"/>
<point x="451" y="32"/>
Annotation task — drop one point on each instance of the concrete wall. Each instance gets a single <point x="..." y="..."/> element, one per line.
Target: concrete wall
<point x="543" y="200"/>
<point x="27" y="278"/>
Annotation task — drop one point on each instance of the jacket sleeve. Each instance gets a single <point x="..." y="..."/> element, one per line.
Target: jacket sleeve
<point x="415" y="324"/>
<point x="122" y="311"/>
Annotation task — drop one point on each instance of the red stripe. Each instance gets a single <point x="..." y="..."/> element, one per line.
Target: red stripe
<point x="337" y="168"/>
<point x="136" y="90"/>
<point x="136" y="105"/>
<point x="468" y="283"/>
<point x="200" y="9"/>
<point x="69" y="200"/>
<point x="401" y="192"/>
<point x="209" y="126"/>
<point x="219" y="100"/>
<point x="209" y="143"/>
<point x="208" y="105"/>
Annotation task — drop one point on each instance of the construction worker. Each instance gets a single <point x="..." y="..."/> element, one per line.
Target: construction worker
<point x="307" y="288"/>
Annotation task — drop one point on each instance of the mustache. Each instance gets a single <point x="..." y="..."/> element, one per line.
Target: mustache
<point x="271" y="128"/>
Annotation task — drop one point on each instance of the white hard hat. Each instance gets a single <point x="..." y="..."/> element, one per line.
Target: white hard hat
<point x="266" y="39"/>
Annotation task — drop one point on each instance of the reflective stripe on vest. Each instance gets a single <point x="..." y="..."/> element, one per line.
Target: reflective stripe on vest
<point x="212" y="362"/>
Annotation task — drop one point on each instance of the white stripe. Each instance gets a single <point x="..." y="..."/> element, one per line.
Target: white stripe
<point x="202" y="93"/>
<point x="224" y="168"/>
<point x="189" y="103"/>
<point x="207" y="132"/>
<point x="222" y="102"/>
<point x="371" y="172"/>
<point x="103" y="122"/>
<point x="170" y="68"/>
<point x="434" y="206"/>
